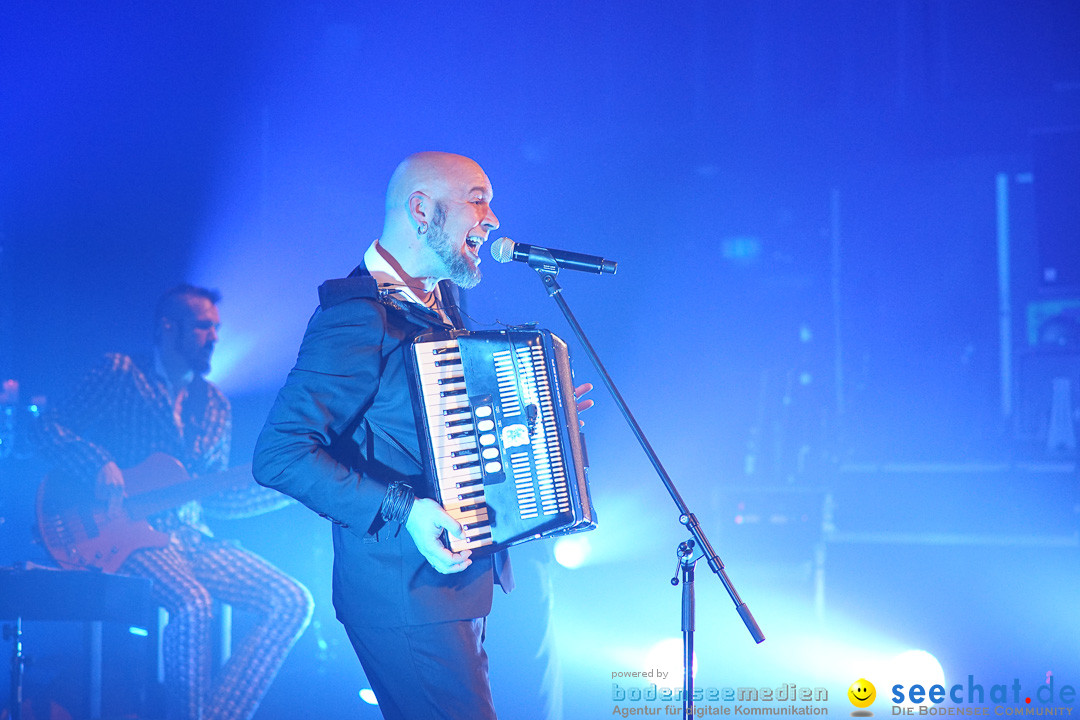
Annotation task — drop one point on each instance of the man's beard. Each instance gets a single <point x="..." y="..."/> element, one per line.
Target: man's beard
<point x="455" y="267"/>
<point x="201" y="366"/>
<point x="197" y="361"/>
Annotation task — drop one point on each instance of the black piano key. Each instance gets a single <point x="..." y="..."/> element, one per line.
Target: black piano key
<point x="459" y="423"/>
<point x="468" y="483"/>
<point x="468" y="496"/>
<point x="453" y="393"/>
<point x="444" y="363"/>
<point x="470" y="508"/>
<point x="465" y="433"/>
<point x="462" y="466"/>
<point x="451" y="380"/>
<point x="466" y="451"/>
<point x="444" y="350"/>
<point x="481" y="536"/>
<point x="457" y="410"/>
<point x="480" y="524"/>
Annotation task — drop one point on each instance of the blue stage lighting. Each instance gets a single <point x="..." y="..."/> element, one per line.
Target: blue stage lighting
<point x="572" y="552"/>
<point x="915" y="667"/>
<point x="666" y="658"/>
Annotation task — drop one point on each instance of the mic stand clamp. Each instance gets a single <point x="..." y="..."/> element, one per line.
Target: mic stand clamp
<point x="544" y="264"/>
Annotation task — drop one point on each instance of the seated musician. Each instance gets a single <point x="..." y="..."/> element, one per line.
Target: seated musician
<point x="342" y="439"/>
<point x="125" y="410"/>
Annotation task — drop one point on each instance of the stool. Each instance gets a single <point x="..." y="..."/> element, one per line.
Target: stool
<point x="45" y="594"/>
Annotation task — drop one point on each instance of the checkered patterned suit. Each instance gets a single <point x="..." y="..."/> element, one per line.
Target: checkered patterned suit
<point x="123" y="412"/>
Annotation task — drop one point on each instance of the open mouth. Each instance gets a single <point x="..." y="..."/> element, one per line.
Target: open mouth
<point x="474" y="243"/>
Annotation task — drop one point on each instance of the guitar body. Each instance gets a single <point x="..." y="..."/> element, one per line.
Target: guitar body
<point x="78" y="532"/>
<point x="86" y="538"/>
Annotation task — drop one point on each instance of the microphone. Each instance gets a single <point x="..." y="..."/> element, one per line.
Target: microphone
<point x="504" y="250"/>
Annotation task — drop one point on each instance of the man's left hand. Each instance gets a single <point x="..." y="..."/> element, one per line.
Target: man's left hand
<point x="579" y="392"/>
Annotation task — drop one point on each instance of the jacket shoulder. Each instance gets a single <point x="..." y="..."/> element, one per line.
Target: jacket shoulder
<point x="358" y="287"/>
<point x="216" y="396"/>
<point x="116" y="361"/>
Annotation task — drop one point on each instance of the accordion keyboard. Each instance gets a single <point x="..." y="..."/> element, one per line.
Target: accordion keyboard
<point x="500" y="436"/>
<point x="455" y="436"/>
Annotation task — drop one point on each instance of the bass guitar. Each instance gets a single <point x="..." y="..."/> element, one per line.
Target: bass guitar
<point x="80" y="534"/>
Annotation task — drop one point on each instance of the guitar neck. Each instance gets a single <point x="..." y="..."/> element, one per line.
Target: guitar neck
<point x="141" y="505"/>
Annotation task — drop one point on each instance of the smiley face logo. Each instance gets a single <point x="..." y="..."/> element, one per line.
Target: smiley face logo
<point x="862" y="693"/>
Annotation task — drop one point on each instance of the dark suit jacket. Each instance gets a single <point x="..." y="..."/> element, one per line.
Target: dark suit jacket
<point x="343" y="428"/>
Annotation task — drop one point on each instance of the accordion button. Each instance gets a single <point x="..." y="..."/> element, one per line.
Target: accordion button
<point x="485" y="425"/>
<point x="483" y="411"/>
<point x="487" y="439"/>
<point x="490" y="453"/>
<point x="493" y="467"/>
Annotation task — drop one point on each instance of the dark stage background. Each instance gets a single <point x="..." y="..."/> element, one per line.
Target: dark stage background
<point x="847" y="236"/>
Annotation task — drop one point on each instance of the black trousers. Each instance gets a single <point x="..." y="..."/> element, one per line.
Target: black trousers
<point x="427" y="672"/>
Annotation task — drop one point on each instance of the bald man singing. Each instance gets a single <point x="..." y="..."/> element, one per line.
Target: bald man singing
<point x="342" y="439"/>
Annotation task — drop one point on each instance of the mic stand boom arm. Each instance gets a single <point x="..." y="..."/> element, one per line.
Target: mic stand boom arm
<point x="547" y="272"/>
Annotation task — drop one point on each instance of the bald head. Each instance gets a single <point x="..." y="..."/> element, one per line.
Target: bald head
<point x="431" y="173"/>
<point x="437" y="216"/>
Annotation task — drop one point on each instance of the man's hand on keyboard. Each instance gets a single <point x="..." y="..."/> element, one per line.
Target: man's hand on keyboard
<point x="425" y="524"/>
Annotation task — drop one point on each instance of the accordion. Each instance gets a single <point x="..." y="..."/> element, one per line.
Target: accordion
<point x="500" y="435"/>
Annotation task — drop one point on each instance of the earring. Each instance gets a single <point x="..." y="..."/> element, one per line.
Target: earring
<point x="421" y="229"/>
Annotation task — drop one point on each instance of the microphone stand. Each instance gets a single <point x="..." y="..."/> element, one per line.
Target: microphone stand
<point x="546" y="267"/>
<point x="687" y="564"/>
